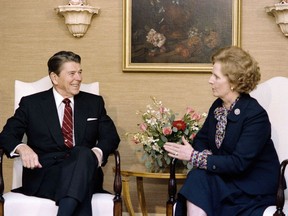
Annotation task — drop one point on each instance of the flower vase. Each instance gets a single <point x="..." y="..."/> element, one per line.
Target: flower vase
<point x="161" y="164"/>
<point x="156" y="165"/>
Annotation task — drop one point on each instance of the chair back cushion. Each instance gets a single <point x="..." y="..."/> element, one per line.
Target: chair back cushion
<point x="273" y="96"/>
<point x="28" y="88"/>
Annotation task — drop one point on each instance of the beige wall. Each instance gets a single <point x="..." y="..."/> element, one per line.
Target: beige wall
<point x="31" y="32"/>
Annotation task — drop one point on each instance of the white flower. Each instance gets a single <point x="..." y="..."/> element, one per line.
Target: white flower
<point x="155" y="38"/>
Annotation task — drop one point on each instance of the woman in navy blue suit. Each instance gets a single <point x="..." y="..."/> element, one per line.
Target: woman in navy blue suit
<point x="235" y="163"/>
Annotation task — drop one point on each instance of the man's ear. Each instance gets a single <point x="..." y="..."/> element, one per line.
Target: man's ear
<point x="54" y="78"/>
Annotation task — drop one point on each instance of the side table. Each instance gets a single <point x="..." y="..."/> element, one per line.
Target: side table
<point x="140" y="172"/>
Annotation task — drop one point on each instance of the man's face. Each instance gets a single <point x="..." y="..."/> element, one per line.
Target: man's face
<point x="69" y="80"/>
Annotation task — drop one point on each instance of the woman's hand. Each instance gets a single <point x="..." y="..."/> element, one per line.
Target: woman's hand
<point x="179" y="151"/>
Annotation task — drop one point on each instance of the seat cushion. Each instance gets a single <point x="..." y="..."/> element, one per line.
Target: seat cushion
<point x="268" y="211"/>
<point x="22" y="205"/>
<point x="271" y="209"/>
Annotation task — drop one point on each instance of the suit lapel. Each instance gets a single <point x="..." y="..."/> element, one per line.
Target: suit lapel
<point x="50" y="114"/>
<point x="241" y="105"/>
<point x="80" y="116"/>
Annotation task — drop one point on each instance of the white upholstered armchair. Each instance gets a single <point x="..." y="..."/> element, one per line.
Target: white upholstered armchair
<point x="16" y="204"/>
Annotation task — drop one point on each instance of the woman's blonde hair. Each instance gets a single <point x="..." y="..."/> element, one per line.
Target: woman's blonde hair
<point x="240" y="67"/>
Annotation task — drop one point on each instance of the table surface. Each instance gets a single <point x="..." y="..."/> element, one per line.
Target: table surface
<point x="139" y="170"/>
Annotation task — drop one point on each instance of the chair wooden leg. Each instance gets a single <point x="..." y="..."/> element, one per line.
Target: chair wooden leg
<point x="2" y="206"/>
<point x="1" y="183"/>
<point x="117" y="186"/>
<point x="117" y="207"/>
<point x="280" y="199"/>
<point x="169" y="209"/>
<point x="278" y="214"/>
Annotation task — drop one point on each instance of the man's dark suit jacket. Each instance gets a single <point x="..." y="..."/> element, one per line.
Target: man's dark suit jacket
<point x="247" y="155"/>
<point x="37" y="117"/>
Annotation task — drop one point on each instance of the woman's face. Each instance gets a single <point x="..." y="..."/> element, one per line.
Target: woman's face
<point x="220" y="85"/>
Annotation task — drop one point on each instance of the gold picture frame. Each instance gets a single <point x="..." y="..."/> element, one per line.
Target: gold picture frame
<point x="177" y="35"/>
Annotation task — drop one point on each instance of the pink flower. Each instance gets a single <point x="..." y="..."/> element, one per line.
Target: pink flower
<point x="196" y="116"/>
<point x="192" y="136"/>
<point x="189" y="110"/>
<point x="143" y="127"/>
<point x="162" y="109"/>
<point x="167" y="131"/>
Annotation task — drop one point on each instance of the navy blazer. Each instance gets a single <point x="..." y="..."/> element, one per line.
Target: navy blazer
<point x="37" y="117"/>
<point x="247" y="156"/>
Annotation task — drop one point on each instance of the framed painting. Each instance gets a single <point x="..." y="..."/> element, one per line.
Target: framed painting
<point x="177" y="35"/>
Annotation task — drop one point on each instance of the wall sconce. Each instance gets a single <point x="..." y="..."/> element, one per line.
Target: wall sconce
<point x="280" y="12"/>
<point x="78" y="16"/>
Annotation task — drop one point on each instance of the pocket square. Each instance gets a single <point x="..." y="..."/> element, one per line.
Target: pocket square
<point x="92" y="119"/>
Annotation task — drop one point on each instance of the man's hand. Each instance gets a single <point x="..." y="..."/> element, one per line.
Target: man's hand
<point x="28" y="156"/>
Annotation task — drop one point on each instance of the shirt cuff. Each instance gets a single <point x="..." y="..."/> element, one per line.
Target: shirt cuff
<point x="199" y="159"/>
<point x="99" y="155"/>
<point x="13" y="153"/>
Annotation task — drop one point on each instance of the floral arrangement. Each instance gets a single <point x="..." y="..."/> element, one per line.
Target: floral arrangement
<point x="160" y="126"/>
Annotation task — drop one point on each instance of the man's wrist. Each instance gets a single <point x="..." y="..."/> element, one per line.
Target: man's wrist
<point x="15" y="152"/>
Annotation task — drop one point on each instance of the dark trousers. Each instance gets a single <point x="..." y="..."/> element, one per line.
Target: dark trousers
<point x="72" y="176"/>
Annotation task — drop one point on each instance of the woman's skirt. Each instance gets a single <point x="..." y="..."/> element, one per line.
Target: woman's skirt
<point x="218" y="196"/>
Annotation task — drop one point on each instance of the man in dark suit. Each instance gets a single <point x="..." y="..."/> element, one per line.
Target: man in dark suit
<point x="51" y="168"/>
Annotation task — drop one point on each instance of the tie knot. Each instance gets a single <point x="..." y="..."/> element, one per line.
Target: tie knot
<point x="66" y="101"/>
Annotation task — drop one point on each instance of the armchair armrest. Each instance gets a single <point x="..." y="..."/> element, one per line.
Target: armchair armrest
<point x="117" y="185"/>
<point x="280" y="199"/>
<point x="1" y="183"/>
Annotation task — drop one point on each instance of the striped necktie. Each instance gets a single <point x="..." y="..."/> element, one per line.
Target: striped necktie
<point x="67" y="124"/>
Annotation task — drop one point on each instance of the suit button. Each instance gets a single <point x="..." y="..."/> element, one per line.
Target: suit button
<point x="214" y="167"/>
